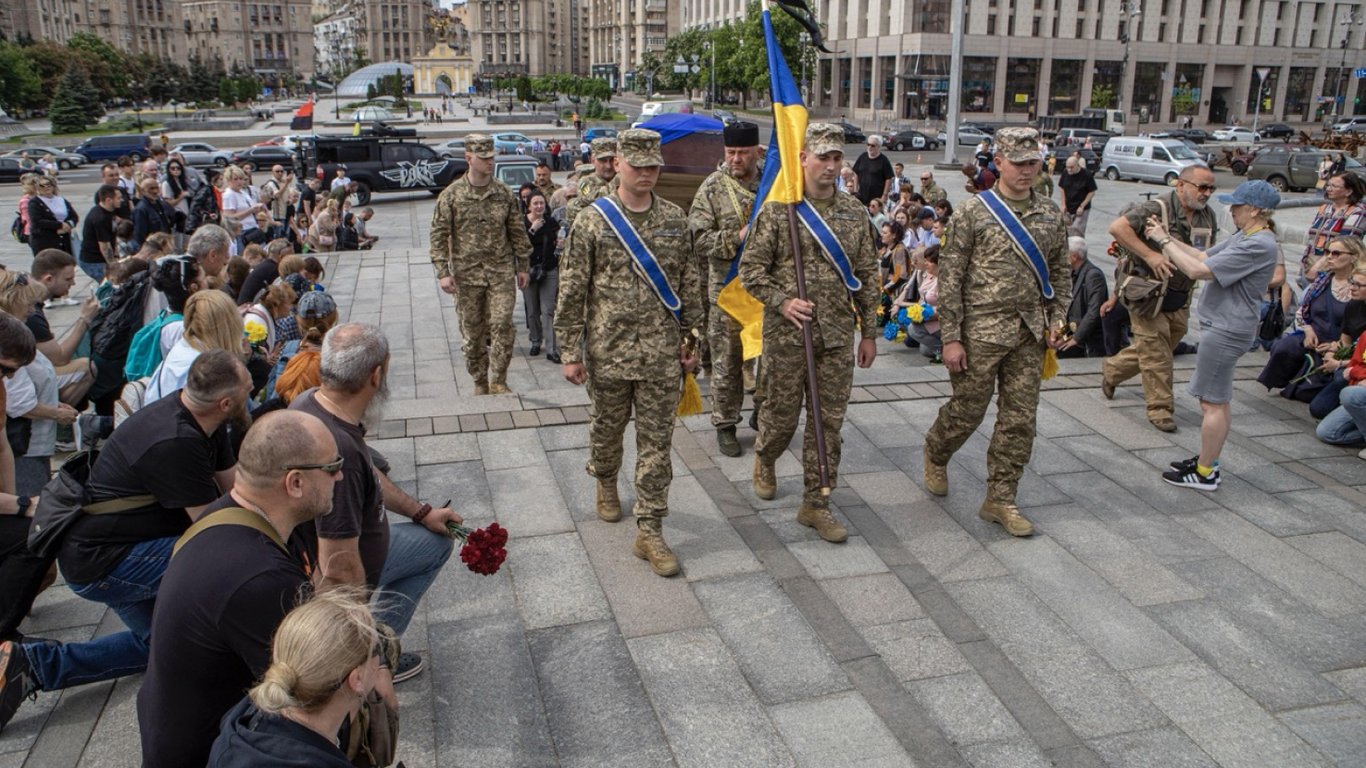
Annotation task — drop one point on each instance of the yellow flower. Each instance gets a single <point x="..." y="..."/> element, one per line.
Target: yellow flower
<point x="256" y="332"/>
<point x="916" y="312"/>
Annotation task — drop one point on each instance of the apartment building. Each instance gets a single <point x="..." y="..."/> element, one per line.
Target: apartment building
<point x="621" y="32"/>
<point x="396" y="30"/>
<point x="271" y="39"/>
<point x="527" y="37"/>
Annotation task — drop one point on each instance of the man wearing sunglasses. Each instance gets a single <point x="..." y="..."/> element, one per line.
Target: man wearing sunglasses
<point x="1158" y="328"/>
<point x="173" y="456"/>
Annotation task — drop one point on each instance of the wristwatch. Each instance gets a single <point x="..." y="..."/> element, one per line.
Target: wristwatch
<point x="24" y="502"/>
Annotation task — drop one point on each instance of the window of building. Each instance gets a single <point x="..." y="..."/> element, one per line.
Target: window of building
<point x="1065" y="86"/>
<point x="1105" y="81"/>
<point x="1148" y="88"/>
<point x="991" y="24"/>
<point x="1022" y="86"/>
<point x="1299" y="102"/>
<point x="979" y="79"/>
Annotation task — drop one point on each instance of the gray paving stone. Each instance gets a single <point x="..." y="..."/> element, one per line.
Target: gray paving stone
<point x="1336" y="550"/>
<point x="511" y="449"/>
<point x="1252" y="739"/>
<point x="1021" y="753"/>
<point x="554" y="582"/>
<point x="1348" y="470"/>
<point x="528" y="502"/>
<point x="1138" y="576"/>
<point x="1111" y="460"/>
<point x="1191" y="691"/>
<point x="701" y="537"/>
<point x="1167" y="747"/>
<point x="641" y="603"/>
<point x="440" y="449"/>
<point x="915" y="649"/>
<point x="1267" y="511"/>
<point x="488" y="681"/>
<point x="824" y="560"/>
<point x="1336" y="730"/>
<point x="880" y="423"/>
<point x="840" y="729"/>
<point x="1280" y="563"/>
<point x="1265" y="671"/>
<point x="781" y="656"/>
<point x="1133" y="518"/>
<point x="1353" y="681"/>
<point x="878" y="598"/>
<point x="1090" y="696"/>
<point x="399" y="452"/>
<point x="1093" y="411"/>
<point x="597" y="708"/>
<point x="965" y="709"/>
<point x="1119" y="632"/>
<point x="564" y="436"/>
<point x="1299" y="445"/>
<point x="1341" y="513"/>
<point x="463" y="482"/>
<point x="709" y="714"/>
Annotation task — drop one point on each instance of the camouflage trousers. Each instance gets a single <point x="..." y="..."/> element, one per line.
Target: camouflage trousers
<point x="727" y="369"/>
<point x="784" y="378"/>
<point x="1013" y="372"/>
<point x="1151" y="357"/>
<point x="485" y="314"/>
<point x="654" y="402"/>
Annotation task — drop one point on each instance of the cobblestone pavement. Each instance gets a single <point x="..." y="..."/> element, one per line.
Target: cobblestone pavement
<point x="1143" y="625"/>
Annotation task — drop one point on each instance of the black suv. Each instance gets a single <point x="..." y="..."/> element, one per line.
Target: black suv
<point x="396" y="163"/>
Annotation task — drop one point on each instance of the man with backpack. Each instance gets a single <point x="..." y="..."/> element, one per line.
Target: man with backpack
<point x="155" y="476"/>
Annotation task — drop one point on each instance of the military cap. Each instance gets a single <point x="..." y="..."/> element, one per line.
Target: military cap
<point x="479" y="145"/>
<point x="741" y="133"/>
<point x="824" y="137"/>
<point x="604" y="146"/>
<point x="640" y="147"/>
<point x="1018" y="145"/>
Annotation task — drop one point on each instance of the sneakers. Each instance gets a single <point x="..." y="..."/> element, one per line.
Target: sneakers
<point x="726" y="441"/>
<point x="824" y="522"/>
<point x="936" y="476"/>
<point x="498" y="388"/>
<point x="535" y="349"/>
<point x="1188" y="465"/>
<point x="16" y="681"/>
<point x="650" y="546"/>
<point x="1186" y="476"/>
<point x="410" y="665"/>
<point x="1006" y="515"/>
<point x="765" y="483"/>
<point x="609" y="504"/>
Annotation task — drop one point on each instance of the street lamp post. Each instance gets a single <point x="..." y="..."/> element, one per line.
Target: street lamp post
<point x="1352" y="18"/>
<point x="1129" y="12"/>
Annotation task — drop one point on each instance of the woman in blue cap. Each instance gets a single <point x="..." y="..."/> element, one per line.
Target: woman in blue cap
<point x="1238" y="271"/>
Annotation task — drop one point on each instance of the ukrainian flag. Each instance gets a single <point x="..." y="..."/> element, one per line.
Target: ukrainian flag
<point x="781" y="182"/>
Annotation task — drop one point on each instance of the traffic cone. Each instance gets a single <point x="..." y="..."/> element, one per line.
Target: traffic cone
<point x="919" y="159"/>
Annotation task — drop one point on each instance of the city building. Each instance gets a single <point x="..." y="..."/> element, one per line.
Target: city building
<point x="621" y="32"/>
<point x="395" y="30"/>
<point x="1159" y="60"/>
<point x="273" y="40"/>
<point x="335" y="40"/>
<point x="526" y="37"/>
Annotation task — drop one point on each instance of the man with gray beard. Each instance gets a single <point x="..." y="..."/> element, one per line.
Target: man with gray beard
<point x="354" y="544"/>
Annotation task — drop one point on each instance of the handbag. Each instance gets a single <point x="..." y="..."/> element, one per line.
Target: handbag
<point x="1139" y="291"/>
<point x="64" y="500"/>
<point x="1273" y="320"/>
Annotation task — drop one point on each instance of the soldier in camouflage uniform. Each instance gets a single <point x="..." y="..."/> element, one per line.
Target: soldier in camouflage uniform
<point x="995" y="324"/>
<point x="480" y="250"/>
<point x="617" y="334"/>
<point x="929" y="190"/>
<point x="544" y="182"/>
<point x="719" y="219"/>
<point x="768" y="273"/>
<point x="600" y="182"/>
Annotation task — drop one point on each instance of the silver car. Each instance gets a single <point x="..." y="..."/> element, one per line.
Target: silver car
<point x="65" y="159"/>
<point x="203" y="155"/>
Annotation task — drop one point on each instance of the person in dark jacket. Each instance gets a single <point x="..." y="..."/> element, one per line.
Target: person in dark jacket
<point x="326" y="659"/>
<point x="151" y="214"/>
<point x="206" y="205"/>
<point x="51" y="218"/>
<point x="543" y="285"/>
<point x="1083" y="315"/>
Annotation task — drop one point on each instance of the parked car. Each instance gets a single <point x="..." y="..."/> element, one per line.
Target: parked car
<point x="451" y="148"/>
<point x="968" y="136"/>
<point x="852" y="133"/>
<point x="506" y="143"/>
<point x="381" y="163"/>
<point x="1241" y="158"/>
<point x="203" y="155"/>
<point x="1147" y="159"/>
<point x="724" y="115"/>
<point x="66" y="159"/>
<point x="371" y="114"/>
<point x="1088" y="156"/>
<point x="1294" y="171"/>
<point x="1235" y="133"/>
<point x="597" y="132"/>
<point x="1276" y="131"/>
<point x="10" y="170"/>
<point x="262" y="157"/>
<point x="515" y="170"/>
<point x="911" y="139"/>
<point x="1354" y="124"/>
<point x="97" y="149"/>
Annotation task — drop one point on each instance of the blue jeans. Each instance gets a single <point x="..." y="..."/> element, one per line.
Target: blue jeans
<point x="95" y="270"/>
<point x="131" y="590"/>
<point x="415" y="557"/>
<point x="1346" y="425"/>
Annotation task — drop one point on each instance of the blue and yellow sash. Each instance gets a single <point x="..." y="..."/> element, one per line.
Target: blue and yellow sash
<point x="830" y="245"/>
<point x="1024" y="242"/>
<point x="646" y="264"/>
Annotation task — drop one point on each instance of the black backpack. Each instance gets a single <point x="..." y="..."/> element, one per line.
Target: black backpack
<point x="113" y="328"/>
<point x="203" y="209"/>
<point x="16" y="229"/>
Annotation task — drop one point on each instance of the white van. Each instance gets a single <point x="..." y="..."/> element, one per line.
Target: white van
<point x="655" y="108"/>
<point x="1146" y="159"/>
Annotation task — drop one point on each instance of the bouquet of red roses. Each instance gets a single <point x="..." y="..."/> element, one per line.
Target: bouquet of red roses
<point x="483" y="551"/>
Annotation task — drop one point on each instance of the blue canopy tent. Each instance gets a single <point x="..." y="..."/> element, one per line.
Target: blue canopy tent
<point x="675" y="126"/>
<point x="693" y="147"/>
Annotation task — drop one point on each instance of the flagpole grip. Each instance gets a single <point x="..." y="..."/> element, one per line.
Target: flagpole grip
<point x="808" y="346"/>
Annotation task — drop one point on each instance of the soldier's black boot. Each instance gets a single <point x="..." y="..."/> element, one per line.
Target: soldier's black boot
<point x="727" y="442"/>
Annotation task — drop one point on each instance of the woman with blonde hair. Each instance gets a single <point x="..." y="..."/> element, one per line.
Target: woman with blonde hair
<point x="211" y="322"/>
<point x="322" y="235"/>
<point x="19" y="293"/>
<point x="327" y="659"/>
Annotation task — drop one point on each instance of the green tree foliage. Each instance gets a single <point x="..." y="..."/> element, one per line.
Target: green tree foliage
<point x="1184" y="101"/>
<point x="20" y="86"/>
<point x="1102" y="96"/>
<point x="202" y="79"/>
<point x="75" y="105"/>
<point x="108" y="68"/>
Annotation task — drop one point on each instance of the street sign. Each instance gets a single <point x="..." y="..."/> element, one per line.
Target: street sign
<point x="1262" y="72"/>
<point x="1359" y="72"/>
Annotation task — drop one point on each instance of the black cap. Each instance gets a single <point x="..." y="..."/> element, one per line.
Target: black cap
<point x="741" y="134"/>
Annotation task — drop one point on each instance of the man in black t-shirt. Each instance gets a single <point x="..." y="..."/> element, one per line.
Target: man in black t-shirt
<point x="1078" y="187"/>
<point x="874" y="172"/>
<point x="98" y="246"/>
<point x="174" y="450"/>
<point x="229" y="587"/>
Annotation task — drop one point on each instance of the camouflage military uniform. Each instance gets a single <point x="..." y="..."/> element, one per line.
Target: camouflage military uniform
<point x="719" y="211"/>
<point x="768" y="273"/>
<point x="548" y="189"/>
<point x="932" y="193"/>
<point x="591" y="185"/>
<point x="990" y="302"/>
<point x="1154" y="338"/>
<point x="630" y="341"/>
<point x="478" y="238"/>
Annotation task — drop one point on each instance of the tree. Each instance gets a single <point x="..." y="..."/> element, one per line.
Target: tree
<point x="20" y="86"/>
<point x="1184" y="101"/>
<point x="202" y="80"/>
<point x="75" y="105"/>
<point x="1102" y="96"/>
<point x="109" y="69"/>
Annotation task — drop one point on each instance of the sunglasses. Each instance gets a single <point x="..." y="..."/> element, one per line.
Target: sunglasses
<point x="924" y="178"/>
<point x="1352" y="283"/>
<point x="1201" y="187"/>
<point x="331" y="467"/>
<point x="1336" y="252"/>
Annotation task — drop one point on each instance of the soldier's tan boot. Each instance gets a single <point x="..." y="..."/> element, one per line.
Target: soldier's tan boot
<point x="823" y="520"/>
<point x="498" y="388"/>
<point x="650" y="546"/>
<point x="609" y="504"/>
<point x="765" y="483"/>
<point x="481" y="388"/>
<point x="1007" y="515"/>
<point x="936" y="476"/>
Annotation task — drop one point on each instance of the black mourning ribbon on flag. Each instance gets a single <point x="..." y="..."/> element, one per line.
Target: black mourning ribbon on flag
<point x="803" y="15"/>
